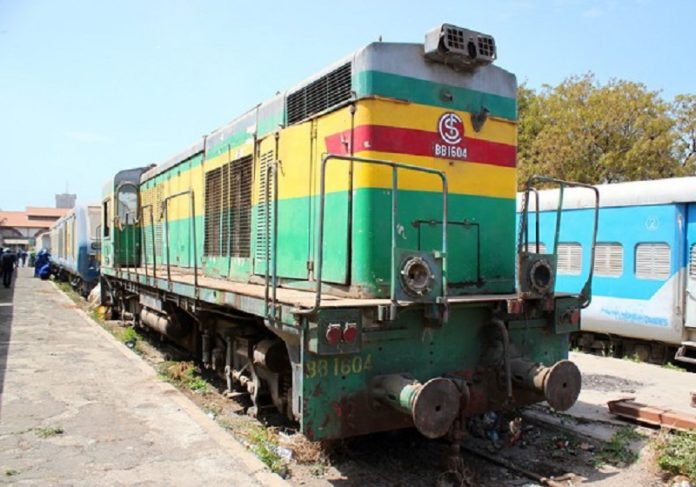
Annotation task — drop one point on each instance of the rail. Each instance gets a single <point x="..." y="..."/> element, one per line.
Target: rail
<point x="395" y="186"/>
<point x="523" y="238"/>
<point x="165" y="209"/>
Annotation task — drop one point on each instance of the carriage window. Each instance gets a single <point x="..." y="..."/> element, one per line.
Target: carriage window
<point x="692" y="262"/>
<point x="608" y="259"/>
<point x="569" y="258"/>
<point x="127" y="204"/>
<point x="653" y="260"/>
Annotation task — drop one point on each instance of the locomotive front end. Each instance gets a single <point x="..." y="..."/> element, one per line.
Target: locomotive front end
<point x="439" y="329"/>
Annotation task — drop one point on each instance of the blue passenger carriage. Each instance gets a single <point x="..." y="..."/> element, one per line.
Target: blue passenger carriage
<point x="75" y="247"/>
<point x="644" y="282"/>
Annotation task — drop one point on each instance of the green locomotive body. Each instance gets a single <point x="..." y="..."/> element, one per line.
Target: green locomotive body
<point x="347" y="250"/>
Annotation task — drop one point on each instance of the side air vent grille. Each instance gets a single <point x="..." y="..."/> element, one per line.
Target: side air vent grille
<point x="319" y="95"/>
<point x="264" y="221"/>
<point x="228" y="209"/>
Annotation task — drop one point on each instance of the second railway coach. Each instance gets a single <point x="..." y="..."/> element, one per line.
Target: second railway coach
<point x="644" y="283"/>
<point x="75" y="247"/>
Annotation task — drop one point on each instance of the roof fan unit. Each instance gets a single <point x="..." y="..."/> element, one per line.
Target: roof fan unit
<point x="456" y="46"/>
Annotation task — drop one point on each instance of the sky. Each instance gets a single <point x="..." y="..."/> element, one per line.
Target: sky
<point x="88" y="88"/>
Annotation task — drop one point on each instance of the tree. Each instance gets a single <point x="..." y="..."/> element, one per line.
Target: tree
<point x="684" y="113"/>
<point x="582" y="131"/>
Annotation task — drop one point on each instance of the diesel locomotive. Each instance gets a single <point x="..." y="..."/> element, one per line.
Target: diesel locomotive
<point x="347" y="250"/>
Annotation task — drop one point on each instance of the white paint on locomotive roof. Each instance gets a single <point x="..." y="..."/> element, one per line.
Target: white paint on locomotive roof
<point x="635" y="193"/>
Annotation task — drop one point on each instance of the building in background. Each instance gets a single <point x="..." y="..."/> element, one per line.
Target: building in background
<point x="19" y="229"/>
<point x="65" y="200"/>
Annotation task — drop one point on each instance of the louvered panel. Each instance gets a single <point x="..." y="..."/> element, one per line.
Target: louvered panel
<point x="226" y="195"/>
<point x="213" y="204"/>
<point x="319" y="95"/>
<point x="241" y="178"/>
<point x="261" y="231"/>
<point x="608" y="259"/>
<point x="692" y="262"/>
<point x="159" y="219"/>
<point x="653" y="261"/>
<point x="146" y="223"/>
<point x="569" y="258"/>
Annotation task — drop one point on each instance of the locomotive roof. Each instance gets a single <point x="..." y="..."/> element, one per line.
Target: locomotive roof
<point x="395" y="58"/>
<point x="635" y="193"/>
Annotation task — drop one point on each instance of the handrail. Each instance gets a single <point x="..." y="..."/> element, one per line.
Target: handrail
<point x="395" y="167"/>
<point x="127" y="255"/>
<point x="271" y="168"/>
<point x="165" y="209"/>
<point x="523" y="238"/>
<point x="154" y="249"/>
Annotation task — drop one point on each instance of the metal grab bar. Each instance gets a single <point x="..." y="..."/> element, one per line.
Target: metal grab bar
<point x="395" y="167"/>
<point x="165" y="210"/>
<point x="271" y="168"/>
<point x="523" y="238"/>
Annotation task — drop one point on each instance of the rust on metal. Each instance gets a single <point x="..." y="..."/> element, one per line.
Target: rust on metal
<point x="435" y="407"/>
<point x="643" y="413"/>
<point x="560" y="384"/>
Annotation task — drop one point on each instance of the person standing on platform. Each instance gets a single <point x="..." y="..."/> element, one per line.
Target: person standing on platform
<point x="8" y="262"/>
<point x="41" y="260"/>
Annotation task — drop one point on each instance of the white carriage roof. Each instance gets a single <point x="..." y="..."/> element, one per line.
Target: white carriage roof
<point x="635" y="193"/>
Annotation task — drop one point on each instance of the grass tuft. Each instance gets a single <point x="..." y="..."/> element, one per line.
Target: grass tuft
<point x="633" y="358"/>
<point x="184" y="375"/>
<point x="49" y="431"/>
<point x="264" y="443"/>
<point x="671" y="366"/>
<point x="618" y="449"/>
<point x="677" y="453"/>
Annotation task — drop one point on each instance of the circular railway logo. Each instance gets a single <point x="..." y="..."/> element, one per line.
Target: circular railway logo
<point x="451" y="128"/>
<point x="652" y="223"/>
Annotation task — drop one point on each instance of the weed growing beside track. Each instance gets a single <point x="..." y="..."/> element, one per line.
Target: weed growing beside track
<point x="619" y="450"/>
<point x="677" y="453"/>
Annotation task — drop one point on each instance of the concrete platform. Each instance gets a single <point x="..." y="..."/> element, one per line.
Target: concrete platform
<point x="606" y="379"/>
<point x="79" y="408"/>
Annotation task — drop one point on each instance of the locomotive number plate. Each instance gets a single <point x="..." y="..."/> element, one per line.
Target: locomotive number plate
<point x="338" y="366"/>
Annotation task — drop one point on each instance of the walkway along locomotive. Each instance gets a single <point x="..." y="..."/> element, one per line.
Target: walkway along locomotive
<point x="346" y="249"/>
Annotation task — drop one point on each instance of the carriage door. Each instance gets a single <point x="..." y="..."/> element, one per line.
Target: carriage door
<point x="126" y="227"/>
<point x="690" y="315"/>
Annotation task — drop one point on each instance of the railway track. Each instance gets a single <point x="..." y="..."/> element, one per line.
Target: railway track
<point x="405" y="457"/>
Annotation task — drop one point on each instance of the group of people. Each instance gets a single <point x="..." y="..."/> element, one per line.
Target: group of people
<point x="10" y="260"/>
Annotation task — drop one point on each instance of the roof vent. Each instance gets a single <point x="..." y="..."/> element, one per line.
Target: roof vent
<point x="321" y="94"/>
<point x="452" y="45"/>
